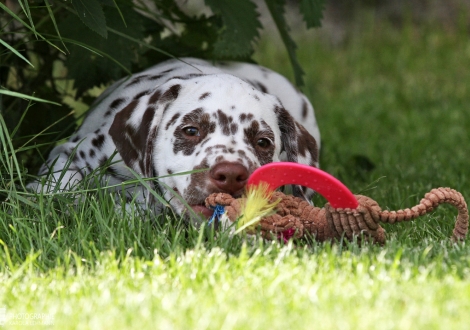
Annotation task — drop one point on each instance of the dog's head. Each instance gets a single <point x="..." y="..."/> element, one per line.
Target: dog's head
<point x="218" y="125"/>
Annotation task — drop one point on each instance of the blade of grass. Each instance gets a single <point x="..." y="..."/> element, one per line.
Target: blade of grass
<point x="51" y="15"/>
<point x="6" y="142"/>
<point x="2" y="6"/>
<point x="27" y="12"/>
<point x="14" y="51"/>
<point x="35" y="146"/>
<point x="120" y="13"/>
<point x="12" y="134"/>
<point x="45" y="129"/>
<point x="147" y="186"/>
<point x="27" y="97"/>
<point x="26" y="201"/>
<point x="138" y="179"/>
<point x="182" y="200"/>
<point x="92" y="49"/>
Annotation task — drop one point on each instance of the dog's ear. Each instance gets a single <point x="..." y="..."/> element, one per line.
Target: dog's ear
<point x="298" y="145"/>
<point x="135" y="128"/>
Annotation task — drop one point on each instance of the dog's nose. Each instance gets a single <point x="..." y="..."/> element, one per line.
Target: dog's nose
<point x="229" y="177"/>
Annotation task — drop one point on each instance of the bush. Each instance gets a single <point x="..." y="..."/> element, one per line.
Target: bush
<point x="55" y="52"/>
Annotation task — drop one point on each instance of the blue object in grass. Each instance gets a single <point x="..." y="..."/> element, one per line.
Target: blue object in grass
<point x="219" y="210"/>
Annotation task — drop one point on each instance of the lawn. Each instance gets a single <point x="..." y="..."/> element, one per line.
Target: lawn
<point x="392" y="105"/>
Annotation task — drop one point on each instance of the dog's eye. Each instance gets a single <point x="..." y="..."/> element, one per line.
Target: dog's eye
<point x="191" y="131"/>
<point x="263" y="143"/>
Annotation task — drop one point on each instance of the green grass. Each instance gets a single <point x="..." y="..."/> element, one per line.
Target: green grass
<point x="392" y="105"/>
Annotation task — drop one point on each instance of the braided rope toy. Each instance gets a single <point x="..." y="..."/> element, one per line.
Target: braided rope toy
<point x="281" y="216"/>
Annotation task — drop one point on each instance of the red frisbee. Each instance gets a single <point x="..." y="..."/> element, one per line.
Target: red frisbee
<point x="284" y="173"/>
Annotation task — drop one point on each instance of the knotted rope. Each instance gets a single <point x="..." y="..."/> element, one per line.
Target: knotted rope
<point x="295" y="217"/>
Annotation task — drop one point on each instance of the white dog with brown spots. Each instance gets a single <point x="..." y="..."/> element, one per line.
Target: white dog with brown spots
<point x="180" y="116"/>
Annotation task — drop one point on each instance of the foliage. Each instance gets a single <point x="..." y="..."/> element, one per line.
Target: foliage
<point x="59" y="50"/>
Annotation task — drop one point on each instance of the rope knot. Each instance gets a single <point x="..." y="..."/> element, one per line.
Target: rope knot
<point x="295" y="217"/>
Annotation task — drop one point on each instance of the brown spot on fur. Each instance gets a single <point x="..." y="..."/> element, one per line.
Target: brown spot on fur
<point x="171" y="93"/>
<point x="196" y="191"/>
<point x="172" y="120"/>
<point x="204" y="142"/>
<point x="139" y="136"/>
<point x="233" y="128"/>
<point x="155" y="97"/>
<point x="148" y="169"/>
<point x="137" y="80"/>
<point x="304" y="109"/>
<point x="131" y="142"/>
<point x="102" y="161"/>
<point x="138" y="96"/>
<point x="219" y="148"/>
<point x="251" y="131"/>
<point x="203" y="96"/>
<point x="98" y="141"/>
<point x="288" y="135"/>
<point x="92" y="153"/>
<point x="224" y="122"/>
<point x="113" y="106"/>
<point x="261" y="87"/>
<point x="186" y="77"/>
<point x="245" y="117"/>
<point x="169" y="70"/>
<point x="109" y="170"/>
<point x="292" y="139"/>
<point x="307" y="143"/>
<point x="117" y="102"/>
<point x="89" y="167"/>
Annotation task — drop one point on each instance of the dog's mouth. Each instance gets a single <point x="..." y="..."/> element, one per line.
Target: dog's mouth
<point x="199" y="207"/>
<point x="202" y="210"/>
<point x="206" y="212"/>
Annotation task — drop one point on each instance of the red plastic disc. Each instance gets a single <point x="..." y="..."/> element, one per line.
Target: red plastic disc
<point x="284" y="173"/>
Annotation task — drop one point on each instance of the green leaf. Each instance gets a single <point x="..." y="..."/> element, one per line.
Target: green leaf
<point x="141" y="43"/>
<point x="91" y="14"/>
<point x="276" y="8"/>
<point x="196" y="40"/>
<point x="85" y="67"/>
<point x="240" y="27"/>
<point x="312" y="11"/>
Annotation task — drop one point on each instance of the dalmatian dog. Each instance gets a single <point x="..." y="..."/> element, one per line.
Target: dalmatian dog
<point x="189" y="128"/>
